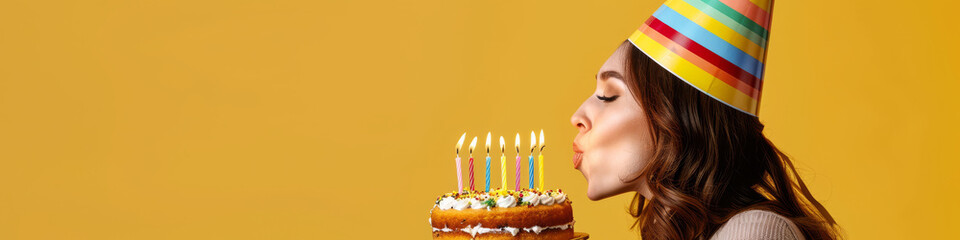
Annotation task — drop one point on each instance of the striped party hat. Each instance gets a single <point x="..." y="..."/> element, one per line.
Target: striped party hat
<point x="717" y="46"/>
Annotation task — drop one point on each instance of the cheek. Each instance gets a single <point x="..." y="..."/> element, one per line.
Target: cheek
<point x="621" y="139"/>
<point x="613" y="161"/>
<point x="619" y="147"/>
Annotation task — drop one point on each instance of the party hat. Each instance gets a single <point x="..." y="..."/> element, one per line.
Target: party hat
<point x="717" y="46"/>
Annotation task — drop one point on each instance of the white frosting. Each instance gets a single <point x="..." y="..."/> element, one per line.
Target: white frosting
<point x="486" y="230"/>
<point x="546" y="200"/>
<point x="475" y="204"/>
<point x="513" y="231"/>
<point x="446" y="203"/>
<point x="559" y="197"/>
<point x="538" y="229"/>
<point x="479" y="229"/>
<point x="499" y="199"/>
<point x="506" y="202"/>
<point x="462" y="204"/>
<point x="531" y="198"/>
<point x="472" y="230"/>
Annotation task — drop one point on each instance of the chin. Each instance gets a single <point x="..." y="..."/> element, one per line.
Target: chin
<point x="592" y="196"/>
<point x="597" y="194"/>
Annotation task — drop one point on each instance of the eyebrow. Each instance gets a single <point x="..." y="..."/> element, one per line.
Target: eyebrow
<point x="609" y="74"/>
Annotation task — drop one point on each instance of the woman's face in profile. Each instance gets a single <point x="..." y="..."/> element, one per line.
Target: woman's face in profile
<point x="613" y="142"/>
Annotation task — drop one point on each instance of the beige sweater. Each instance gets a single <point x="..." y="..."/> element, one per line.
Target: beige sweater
<point x="758" y="224"/>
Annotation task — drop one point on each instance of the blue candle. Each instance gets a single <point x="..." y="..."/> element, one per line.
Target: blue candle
<point x="533" y="146"/>
<point x="531" y="171"/>
<point x="488" y="174"/>
<point x="488" y="163"/>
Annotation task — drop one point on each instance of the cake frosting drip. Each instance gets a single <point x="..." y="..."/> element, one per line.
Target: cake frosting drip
<point x="499" y="198"/>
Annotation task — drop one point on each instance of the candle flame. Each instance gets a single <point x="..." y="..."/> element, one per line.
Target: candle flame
<point x="542" y="145"/>
<point x="533" y="141"/>
<point x="473" y="144"/>
<point x="517" y="141"/>
<point x="501" y="145"/>
<point x="460" y="143"/>
<point x="488" y="143"/>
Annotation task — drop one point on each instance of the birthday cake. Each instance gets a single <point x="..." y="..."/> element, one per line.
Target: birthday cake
<point x="530" y="213"/>
<point x="503" y="214"/>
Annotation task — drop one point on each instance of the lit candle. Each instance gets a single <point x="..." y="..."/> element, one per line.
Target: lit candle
<point x="540" y="160"/>
<point x="459" y="174"/>
<point x="533" y="146"/>
<point x="487" y="187"/>
<point x="503" y="166"/>
<point x="517" y="141"/>
<point x="473" y="144"/>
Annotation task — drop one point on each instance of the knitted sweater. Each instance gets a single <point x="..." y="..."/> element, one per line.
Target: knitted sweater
<point x="758" y="224"/>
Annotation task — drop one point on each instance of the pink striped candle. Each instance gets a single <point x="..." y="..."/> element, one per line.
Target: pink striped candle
<point x="517" y="188"/>
<point x="471" y="174"/>
<point x="516" y="142"/>
<point x="459" y="177"/>
<point x="473" y="145"/>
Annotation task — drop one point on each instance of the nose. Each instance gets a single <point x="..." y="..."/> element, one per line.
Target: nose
<point x="580" y="120"/>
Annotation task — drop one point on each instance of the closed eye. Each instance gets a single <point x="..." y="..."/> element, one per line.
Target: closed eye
<point x="607" y="99"/>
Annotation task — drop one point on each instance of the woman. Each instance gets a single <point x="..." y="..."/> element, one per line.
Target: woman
<point x="678" y="127"/>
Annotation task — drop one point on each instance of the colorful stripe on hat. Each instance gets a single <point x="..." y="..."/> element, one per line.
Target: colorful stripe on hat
<point x="718" y="46"/>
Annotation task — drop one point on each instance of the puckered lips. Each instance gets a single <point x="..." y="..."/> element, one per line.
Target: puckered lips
<point x="577" y="156"/>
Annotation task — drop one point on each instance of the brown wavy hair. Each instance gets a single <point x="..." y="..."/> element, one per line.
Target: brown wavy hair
<point x="710" y="162"/>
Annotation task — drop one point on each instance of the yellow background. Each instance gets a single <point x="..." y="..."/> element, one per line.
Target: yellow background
<point x="306" y="119"/>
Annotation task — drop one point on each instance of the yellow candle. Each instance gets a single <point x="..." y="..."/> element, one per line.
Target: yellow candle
<point x="540" y="160"/>
<point x="540" y="168"/>
<point x="503" y="165"/>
